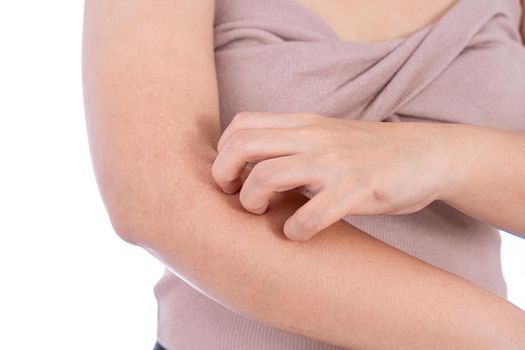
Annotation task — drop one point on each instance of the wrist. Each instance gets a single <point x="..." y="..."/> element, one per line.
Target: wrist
<point x="457" y="145"/>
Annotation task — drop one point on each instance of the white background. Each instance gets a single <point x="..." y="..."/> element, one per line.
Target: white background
<point x="66" y="278"/>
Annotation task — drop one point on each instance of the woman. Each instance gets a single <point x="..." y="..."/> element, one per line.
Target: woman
<point x="387" y="144"/>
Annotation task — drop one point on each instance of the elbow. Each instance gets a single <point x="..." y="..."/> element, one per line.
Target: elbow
<point x="134" y="227"/>
<point x="124" y="230"/>
<point x="132" y="207"/>
<point x="147" y="200"/>
<point x="144" y="218"/>
<point x="128" y="211"/>
<point x="122" y="223"/>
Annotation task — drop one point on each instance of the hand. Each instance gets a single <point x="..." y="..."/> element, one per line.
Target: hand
<point x="351" y="167"/>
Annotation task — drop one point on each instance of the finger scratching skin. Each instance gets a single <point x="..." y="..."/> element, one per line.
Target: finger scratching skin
<point x="299" y="228"/>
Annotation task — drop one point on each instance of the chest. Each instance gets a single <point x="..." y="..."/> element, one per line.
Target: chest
<point x="376" y="20"/>
<point x="277" y="56"/>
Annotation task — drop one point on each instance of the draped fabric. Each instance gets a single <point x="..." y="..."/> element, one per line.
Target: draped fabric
<point x="278" y="56"/>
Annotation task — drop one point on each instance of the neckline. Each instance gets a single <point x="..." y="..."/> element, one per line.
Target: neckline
<point x="328" y="30"/>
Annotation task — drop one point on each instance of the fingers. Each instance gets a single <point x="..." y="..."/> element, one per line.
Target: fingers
<point x="276" y="175"/>
<point x="322" y="210"/>
<point x="253" y="120"/>
<point x="252" y="145"/>
<point x="272" y="141"/>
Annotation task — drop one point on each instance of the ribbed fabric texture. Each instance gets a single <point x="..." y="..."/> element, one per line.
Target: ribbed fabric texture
<point x="278" y="56"/>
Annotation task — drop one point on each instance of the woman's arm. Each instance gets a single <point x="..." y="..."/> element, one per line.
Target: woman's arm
<point x="478" y="170"/>
<point x="488" y="175"/>
<point x="152" y="116"/>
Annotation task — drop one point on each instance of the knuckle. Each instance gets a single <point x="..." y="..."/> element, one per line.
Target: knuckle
<point x="248" y="202"/>
<point x="353" y="207"/>
<point x="239" y="118"/>
<point x="332" y="157"/>
<point x="383" y="199"/>
<point x="319" y="133"/>
<point x="305" y="131"/>
<point x="348" y="198"/>
<point x="378" y="195"/>
<point x="239" y="140"/>
<point x="262" y="173"/>
<point x="356" y="202"/>
<point x="218" y="174"/>
<point x="314" y="133"/>
<point x="328" y="158"/>
<point x="220" y="170"/>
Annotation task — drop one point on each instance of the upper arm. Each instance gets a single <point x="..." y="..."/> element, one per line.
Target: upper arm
<point x="150" y="95"/>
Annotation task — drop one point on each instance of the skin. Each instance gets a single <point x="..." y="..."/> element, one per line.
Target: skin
<point x="369" y="168"/>
<point x="376" y="20"/>
<point x="152" y="116"/>
<point x="351" y="167"/>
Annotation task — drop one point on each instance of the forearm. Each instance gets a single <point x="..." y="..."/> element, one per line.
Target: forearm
<point x="488" y="175"/>
<point x="342" y="287"/>
<point x="152" y="117"/>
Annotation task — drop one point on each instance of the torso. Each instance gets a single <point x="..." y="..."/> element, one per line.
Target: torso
<point x="277" y="56"/>
<point x="377" y="20"/>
